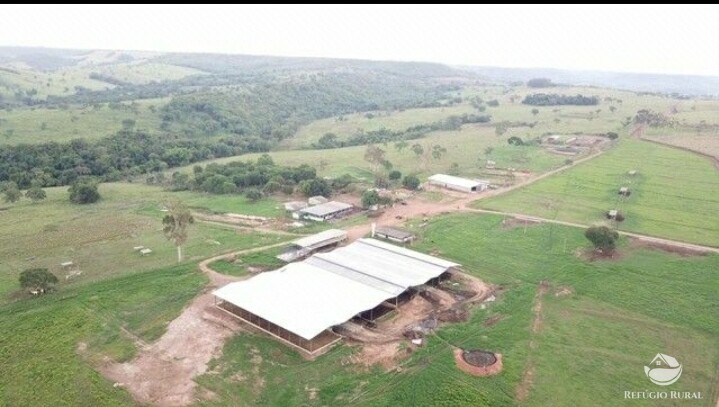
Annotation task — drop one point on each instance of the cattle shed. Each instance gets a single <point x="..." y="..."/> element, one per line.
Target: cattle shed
<point x="310" y="244"/>
<point x="300" y="303"/>
<point x="325" y="211"/>
<point x="458" y="184"/>
<point x="393" y="234"/>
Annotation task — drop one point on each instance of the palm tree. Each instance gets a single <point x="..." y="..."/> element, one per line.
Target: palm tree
<point x="175" y="223"/>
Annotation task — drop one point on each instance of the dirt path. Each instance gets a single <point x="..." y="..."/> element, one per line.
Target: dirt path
<point x="650" y="239"/>
<point x="522" y="391"/>
<point x="162" y="373"/>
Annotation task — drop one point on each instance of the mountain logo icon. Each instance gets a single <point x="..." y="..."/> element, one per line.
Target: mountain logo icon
<point x="663" y="370"/>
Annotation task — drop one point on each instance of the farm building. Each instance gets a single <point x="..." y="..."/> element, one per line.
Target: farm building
<point x="300" y="303"/>
<point x="393" y="234"/>
<point x="317" y="200"/>
<point x="310" y="244"/>
<point x="612" y="214"/>
<point x="624" y="191"/>
<point x="325" y="211"/>
<point x="457" y="183"/>
<point x="632" y="172"/>
<point x="555" y="139"/>
<point x="490" y="164"/>
<point x="295" y="206"/>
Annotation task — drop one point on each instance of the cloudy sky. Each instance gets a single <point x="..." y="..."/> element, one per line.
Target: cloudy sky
<point x="663" y="39"/>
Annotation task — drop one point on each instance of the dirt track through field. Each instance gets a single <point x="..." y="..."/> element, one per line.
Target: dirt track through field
<point x="523" y="388"/>
<point x="162" y="373"/>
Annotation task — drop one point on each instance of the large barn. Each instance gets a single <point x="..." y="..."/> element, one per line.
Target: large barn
<point x="457" y="183"/>
<point x="309" y="244"/>
<point x="299" y="303"/>
<point x="325" y="211"/>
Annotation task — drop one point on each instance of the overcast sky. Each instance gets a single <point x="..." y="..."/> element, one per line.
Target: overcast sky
<point x="664" y="39"/>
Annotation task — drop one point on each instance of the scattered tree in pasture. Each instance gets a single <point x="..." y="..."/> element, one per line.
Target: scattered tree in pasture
<point x="612" y="108"/>
<point x="453" y="169"/>
<point x="411" y="182"/>
<point x="535" y="111"/>
<point x="84" y="191"/>
<point x="37" y="280"/>
<point x="488" y="150"/>
<point x="401" y="145"/>
<point x="438" y="151"/>
<point x="35" y="193"/>
<point x="515" y="141"/>
<point x="253" y="194"/>
<point x="417" y="149"/>
<point x="603" y="238"/>
<point x="395" y="175"/>
<point x="612" y="135"/>
<point x="175" y="224"/>
<point x="374" y="156"/>
<point x="11" y="193"/>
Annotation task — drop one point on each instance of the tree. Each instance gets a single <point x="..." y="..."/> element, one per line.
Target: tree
<point x="265" y="159"/>
<point x="84" y="191"/>
<point x="411" y="182"/>
<point x="37" y="280"/>
<point x="515" y="141"/>
<point x="35" y="193"/>
<point x="401" y="145"/>
<point x="315" y="187"/>
<point x="612" y="135"/>
<point x="370" y="198"/>
<point x="535" y="111"/>
<point x="374" y="155"/>
<point x="488" y="150"/>
<point x="175" y="225"/>
<point x="539" y="83"/>
<point x="612" y="109"/>
<point x="603" y="238"/>
<point x="438" y="151"/>
<point x="11" y="193"/>
<point x="453" y="169"/>
<point x="417" y="149"/>
<point x="253" y="194"/>
<point x="394" y="175"/>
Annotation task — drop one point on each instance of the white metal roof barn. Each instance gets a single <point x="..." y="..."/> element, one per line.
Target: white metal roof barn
<point x="299" y="302"/>
<point x="457" y="183"/>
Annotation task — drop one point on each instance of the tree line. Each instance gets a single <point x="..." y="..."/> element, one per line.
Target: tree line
<point x="554" y="99"/>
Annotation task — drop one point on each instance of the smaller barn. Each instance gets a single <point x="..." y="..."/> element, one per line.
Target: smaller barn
<point x="457" y="183"/>
<point x="325" y="211"/>
<point x="614" y="214"/>
<point x="632" y="172"/>
<point x="311" y="244"/>
<point x="317" y="200"/>
<point x="393" y="234"/>
<point x="554" y="139"/>
<point x="624" y="191"/>
<point x="295" y="206"/>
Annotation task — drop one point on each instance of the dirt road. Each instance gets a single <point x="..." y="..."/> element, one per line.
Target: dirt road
<point x="162" y="373"/>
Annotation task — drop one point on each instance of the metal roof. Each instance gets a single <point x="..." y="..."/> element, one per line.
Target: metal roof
<point x="462" y="182"/>
<point x="329" y="288"/>
<point x="327" y="208"/>
<point x="317" y="238"/>
<point x="392" y="232"/>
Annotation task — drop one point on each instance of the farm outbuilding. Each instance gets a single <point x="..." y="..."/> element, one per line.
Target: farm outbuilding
<point x="300" y="303"/>
<point x="624" y="191"/>
<point x="310" y="244"/>
<point x="393" y="234"/>
<point x="458" y="184"/>
<point x="325" y="211"/>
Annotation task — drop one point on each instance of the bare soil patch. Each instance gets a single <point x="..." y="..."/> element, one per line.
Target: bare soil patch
<point x="513" y="223"/>
<point x="665" y="247"/>
<point x="592" y="255"/>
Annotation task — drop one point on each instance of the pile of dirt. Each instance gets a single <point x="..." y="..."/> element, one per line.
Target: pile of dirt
<point x="454" y="314"/>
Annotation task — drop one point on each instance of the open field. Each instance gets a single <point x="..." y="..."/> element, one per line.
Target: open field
<point x="675" y="194"/>
<point x="35" y="125"/>
<point x="99" y="238"/>
<point x="705" y="142"/>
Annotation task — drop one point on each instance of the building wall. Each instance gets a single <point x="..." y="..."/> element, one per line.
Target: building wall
<point x="450" y="186"/>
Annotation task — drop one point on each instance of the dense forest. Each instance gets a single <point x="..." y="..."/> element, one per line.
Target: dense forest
<point x="553" y="99"/>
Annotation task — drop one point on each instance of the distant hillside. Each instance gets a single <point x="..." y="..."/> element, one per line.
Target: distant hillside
<point x="641" y="82"/>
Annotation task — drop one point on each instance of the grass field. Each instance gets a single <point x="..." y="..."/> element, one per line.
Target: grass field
<point x="264" y="260"/>
<point x="35" y="125"/>
<point x="705" y="142"/>
<point x="99" y="238"/>
<point x="675" y="195"/>
<point x="592" y="344"/>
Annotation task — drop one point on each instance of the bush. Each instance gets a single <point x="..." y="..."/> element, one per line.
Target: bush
<point x="315" y="187"/>
<point x="253" y="194"/>
<point x="370" y="198"/>
<point x="394" y="175"/>
<point x="38" y="280"/>
<point x="515" y="141"/>
<point x="612" y="135"/>
<point x="84" y="191"/>
<point x="411" y="182"/>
